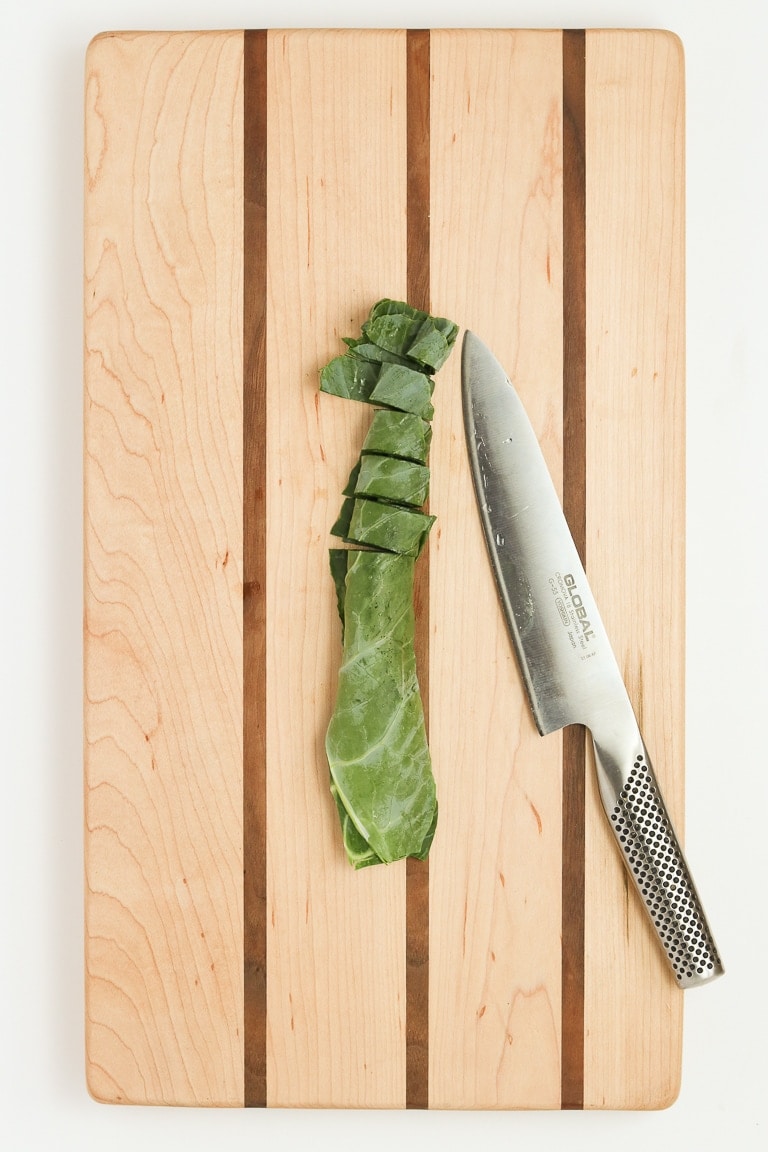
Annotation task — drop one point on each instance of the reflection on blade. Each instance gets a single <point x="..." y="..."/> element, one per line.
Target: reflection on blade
<point x="566" y="661"/>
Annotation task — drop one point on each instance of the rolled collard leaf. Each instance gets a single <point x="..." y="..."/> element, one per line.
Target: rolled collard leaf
<point x="393" y="480"/>
<point x="381" y="779"/>
<point x="397" y="327"/>
<point x="389" y="526"/>
<point x="358" y="850"/>
<point x="389" y="385"/>
<point x="376" y="741"/>
<point x="401" y="434"/>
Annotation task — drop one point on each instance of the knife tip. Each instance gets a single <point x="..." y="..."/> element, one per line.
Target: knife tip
<point x="473" y="352"/>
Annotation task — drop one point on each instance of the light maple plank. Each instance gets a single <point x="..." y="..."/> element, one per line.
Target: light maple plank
<point x="163" y="530"/>
<point x="635" y="523"/>
<point x="336" y="243"/>
<point x="495" y="866"/>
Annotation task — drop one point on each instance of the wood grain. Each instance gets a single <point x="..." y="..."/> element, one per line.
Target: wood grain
<point x="575" y="509"/>
<point x="163" y="569"/>
<point x="636" y="508"/>
<point x="337" y="241"/>
<point x="418" y="85"/>
<point x="495" y="866"/>
<point x="254" y="568"/>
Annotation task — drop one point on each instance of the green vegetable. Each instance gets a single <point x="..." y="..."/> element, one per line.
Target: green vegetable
<point x="396" y="327"/>
<point x="376" y="740"/>
<point x="389" y="526"/>
<point x="381" y="775"/>
<point x="399" y="434"/>
<point x="339" y="558"/>
<point x="364" y="350"/>
<point x="344" y="519"/>
<point x="391" y="385"/>
<point x="351" y="486"/>
<point x="391" y="479"/>
<point x="403" y="388"/>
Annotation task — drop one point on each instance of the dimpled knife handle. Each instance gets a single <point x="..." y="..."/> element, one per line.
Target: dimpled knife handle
<point x="641" y="824"/>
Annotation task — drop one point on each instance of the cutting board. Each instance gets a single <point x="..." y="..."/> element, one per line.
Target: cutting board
<point x="248" y="197"/>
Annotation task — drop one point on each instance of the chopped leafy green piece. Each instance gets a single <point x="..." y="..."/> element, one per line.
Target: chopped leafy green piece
<point x="389" y="526"/>
<point x="363" y="349"/>
<point x="401" y="434"/>
<point x="406" y="331"/>
<point x="350" y="378"/>
<point x="391" y="479"/>
<point x="341" y="526"/>
<point x="399" y="387"/>
<point x="339" y="558"/>
<point x="351" y="485"/>
<point x="376" y="740"/>
<point x="390" y="385"/>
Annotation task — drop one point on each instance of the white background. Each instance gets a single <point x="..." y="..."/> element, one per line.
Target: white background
<point x="43" y="1100"/>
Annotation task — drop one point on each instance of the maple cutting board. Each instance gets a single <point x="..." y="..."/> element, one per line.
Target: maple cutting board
<point x="248" y="197"/>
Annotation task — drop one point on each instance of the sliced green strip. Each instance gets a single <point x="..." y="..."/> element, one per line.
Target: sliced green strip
<point x="391" y="479"/>
<point x="397" y="327"/>
<point x="338" y="559"/>
<point x="389" y="527"/>
<point x="341" y="527"/>
<point x="391" y="385"/>
<point x="402" y="434"/>
<point x="399" y="387"/>
<point x="364" y="350"/>
<point x="351" y="485"/>
<point x="349" y="378"/>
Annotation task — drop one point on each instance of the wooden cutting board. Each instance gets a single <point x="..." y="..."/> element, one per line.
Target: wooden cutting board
<point x="248" y="197"/>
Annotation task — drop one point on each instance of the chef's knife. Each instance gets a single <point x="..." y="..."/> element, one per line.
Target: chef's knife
<point x="565" y="658"/>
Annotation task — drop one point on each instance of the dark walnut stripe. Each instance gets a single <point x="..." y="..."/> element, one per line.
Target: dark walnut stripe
<point x="574" y="506"/>
<point x="254" y="570"/>
<point x="417" y="871"/>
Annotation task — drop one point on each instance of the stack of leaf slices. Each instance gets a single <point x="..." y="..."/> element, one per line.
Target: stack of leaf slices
<point x="381" y="772"/>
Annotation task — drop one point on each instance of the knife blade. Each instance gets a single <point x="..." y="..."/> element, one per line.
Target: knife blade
<point x="565" y="657"/>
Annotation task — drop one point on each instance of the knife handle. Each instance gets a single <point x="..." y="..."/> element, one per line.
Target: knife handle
<point x="651" y="851"/>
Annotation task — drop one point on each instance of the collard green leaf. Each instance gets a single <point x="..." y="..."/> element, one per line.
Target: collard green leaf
<point x="351" y="485"/>
<point x="338" y="559"/>
<point x="401" y="434"/>
<point x="376" y="740"/>
<point x="381" y="777"/>
<point x="393" y="480"/>
<point x="344" y="519"/>
<point x="363" y="349"/>
<point x="389" y="385"/>
<point x="358" y="850"/>
<point x="399" y="387"/>
<point x="350" y="378"/>
<point x="406" y="331"/>
<point x="389" y="526"/>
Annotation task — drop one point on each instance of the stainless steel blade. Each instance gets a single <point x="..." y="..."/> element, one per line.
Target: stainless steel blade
<point x="565" y="658"/>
